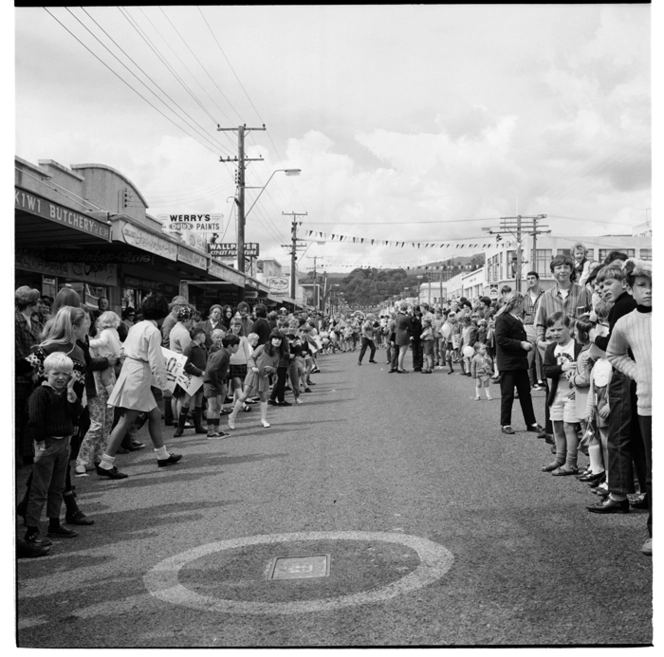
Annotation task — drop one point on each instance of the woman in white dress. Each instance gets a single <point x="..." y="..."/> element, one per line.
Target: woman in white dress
<point x="144" y="367"/>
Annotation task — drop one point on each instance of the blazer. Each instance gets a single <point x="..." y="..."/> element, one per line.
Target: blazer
<point x="509" y="334"/>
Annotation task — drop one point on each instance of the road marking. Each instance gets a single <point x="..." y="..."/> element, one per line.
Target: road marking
<point x="162" y="580"/>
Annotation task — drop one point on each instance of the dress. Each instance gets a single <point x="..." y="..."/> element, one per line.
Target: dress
<point x="259" y="381"/>
<point x="143" y="367"/>
<point x="403" y="329"/>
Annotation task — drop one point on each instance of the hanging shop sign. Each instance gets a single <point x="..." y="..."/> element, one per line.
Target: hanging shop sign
<point x="197" y="223"/>
<point x="142" y="239"/>
<point x="61" y="215"/>
<point x="279" y="285"/>
<point x="100" y="273"/>
<point x="229" y="250"/>
<point x="192" y="258"/>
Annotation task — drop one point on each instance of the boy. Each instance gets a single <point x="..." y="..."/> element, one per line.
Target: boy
<point x="53" y="408"/>
<point x="634" y="332"/>
<point x="214" y="386"/>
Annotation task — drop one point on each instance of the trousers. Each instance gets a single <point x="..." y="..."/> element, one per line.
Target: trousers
<point x="508" y="380"/>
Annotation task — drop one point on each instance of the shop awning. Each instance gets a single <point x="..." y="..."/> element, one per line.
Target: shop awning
<point x="39" y="222"/>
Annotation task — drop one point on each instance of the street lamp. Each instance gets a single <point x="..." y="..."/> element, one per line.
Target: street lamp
<point x="242" y="215"/>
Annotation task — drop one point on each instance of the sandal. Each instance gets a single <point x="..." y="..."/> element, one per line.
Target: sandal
<point x="563" y="472"/>
<point x="552" y="466"/>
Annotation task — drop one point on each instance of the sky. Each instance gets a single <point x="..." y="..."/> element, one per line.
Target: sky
<point x="409" y="123"/>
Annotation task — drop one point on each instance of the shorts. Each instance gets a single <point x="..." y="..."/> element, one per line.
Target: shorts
<point x="427" y="347"/>
<point x="210" y="391"/>
<point x="563" y="408"/>
<point x="483" y="379"/>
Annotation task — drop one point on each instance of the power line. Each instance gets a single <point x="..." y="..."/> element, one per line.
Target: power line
<point x="203" y="67"/>
<point x="129" y="85"/>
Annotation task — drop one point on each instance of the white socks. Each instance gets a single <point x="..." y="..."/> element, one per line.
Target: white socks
<point x="162" y="453"/>
<point x="107" y="462"/>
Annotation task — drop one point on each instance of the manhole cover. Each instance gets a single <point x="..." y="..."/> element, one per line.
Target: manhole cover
<point x="299" y="567"/>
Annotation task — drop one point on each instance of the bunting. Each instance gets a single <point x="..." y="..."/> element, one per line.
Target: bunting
<point x="336" y="237"/>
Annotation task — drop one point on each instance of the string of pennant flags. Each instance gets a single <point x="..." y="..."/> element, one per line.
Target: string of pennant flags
<point x="336" y="237"/>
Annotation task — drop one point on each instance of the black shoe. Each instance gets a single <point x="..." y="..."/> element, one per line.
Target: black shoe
<point x="610" y="506"/>
<point x="359" y="363"/>
<point x="122" y="450"/>
<point x="392" y="370"/>
<point x="307" y="390"/>
<point x="34" y="540"/>
<point x="171" y="460"/>
<point x="640" y="504"/>
<point x="178" y="432"/>
<point x="372" y="361"/>
<point x="594" y="478"/>
<point x="113" y="473"/>
<point x="536" y="428"/>
<point x="26" y="550"/>
<point x="507" y="429"/>
<point x="79" y="518"/>
<point x="62" y="532"/>
<point x="284" y="403"/>
<point x="272" y="402"/>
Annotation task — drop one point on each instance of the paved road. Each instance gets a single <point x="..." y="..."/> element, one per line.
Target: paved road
<point x="440" y="530"/>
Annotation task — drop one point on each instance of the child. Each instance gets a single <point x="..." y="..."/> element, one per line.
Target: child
<point x="597" y="406"/>
<point x="580" y="379"/>
<point x="481" y="369"/>
<point x="106" y="345"/>
<point x="53" y="409"/>
<point x="196" y="354"/>
<point x="633" y="332"/>
<point x="559" y="365"/>
<point x="214" y="381"/>
<point x="427" y="338"/>
<point x="262" y="362"/>
<point x="448" y="330"/>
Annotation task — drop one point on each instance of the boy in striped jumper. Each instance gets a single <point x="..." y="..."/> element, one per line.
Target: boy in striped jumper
<point x="630" y="352"/>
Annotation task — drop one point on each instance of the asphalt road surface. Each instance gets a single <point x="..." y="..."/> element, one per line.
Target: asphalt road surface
<point x="387" y="510"/>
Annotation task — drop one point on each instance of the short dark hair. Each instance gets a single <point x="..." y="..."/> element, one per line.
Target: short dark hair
<point x="128" y="311"/>
<point x="155" y="306"/>
<point x="559" y="317"/>
<point x="615" y="255"/>
<point x="230" y="340"/>
<point x="260" y="310"/>
<point x="196" y="330"/>
<point x="533" y="273"/>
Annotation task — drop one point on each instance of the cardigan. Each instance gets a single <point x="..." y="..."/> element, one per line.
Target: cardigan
<point x="553" y="371"/>
<point x="509" y="334"/>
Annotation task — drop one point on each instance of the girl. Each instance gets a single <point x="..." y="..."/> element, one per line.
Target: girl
<point x="262" y="362"/>
<point x="580" y="379"/>
<point x="107" y="344"/>
<point x="481" y="369"/>
<point x="427" y="345"/>
<point x="238" y="364"/>
<point x="560" y="361"/>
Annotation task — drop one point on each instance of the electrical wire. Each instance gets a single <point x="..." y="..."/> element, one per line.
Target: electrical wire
<point x="203" y="67"/>
<point x="190" y="73"/>
<point x="129" y="85"/>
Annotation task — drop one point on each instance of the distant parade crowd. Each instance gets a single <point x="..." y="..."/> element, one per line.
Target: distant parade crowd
<point x="87" y="379"/>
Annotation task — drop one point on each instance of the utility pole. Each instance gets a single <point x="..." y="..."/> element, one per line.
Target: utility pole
<point x="293" y="247"/>
<point x="515" y="226"/>
<point x="240" y="160"/>
<point x="316" y="295"/>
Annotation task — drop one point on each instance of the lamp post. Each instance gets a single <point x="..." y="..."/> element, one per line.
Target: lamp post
<point x="242" y="215"/>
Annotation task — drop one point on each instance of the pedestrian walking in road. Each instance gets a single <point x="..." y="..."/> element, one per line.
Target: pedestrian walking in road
<point x="367" y="332"/>
<point x="143" y="367"/>
<point x="196" y="354"/>
<point x="262" y="362"/>
<point x="512" y="356"/>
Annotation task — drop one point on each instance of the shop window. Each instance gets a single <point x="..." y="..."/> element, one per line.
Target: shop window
<point x="543" y="258"/>
<point x="646" y="254"/>
<point x="92" y="295"/>
<point x="567" y="252"/>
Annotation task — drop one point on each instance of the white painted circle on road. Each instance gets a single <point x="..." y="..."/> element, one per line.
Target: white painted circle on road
<point x="163" y="583"/>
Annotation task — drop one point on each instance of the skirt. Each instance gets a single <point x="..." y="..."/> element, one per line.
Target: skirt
<point x="132" y="389"/>
<point x="237" y="371"/>
<point x="256" y="383"/>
